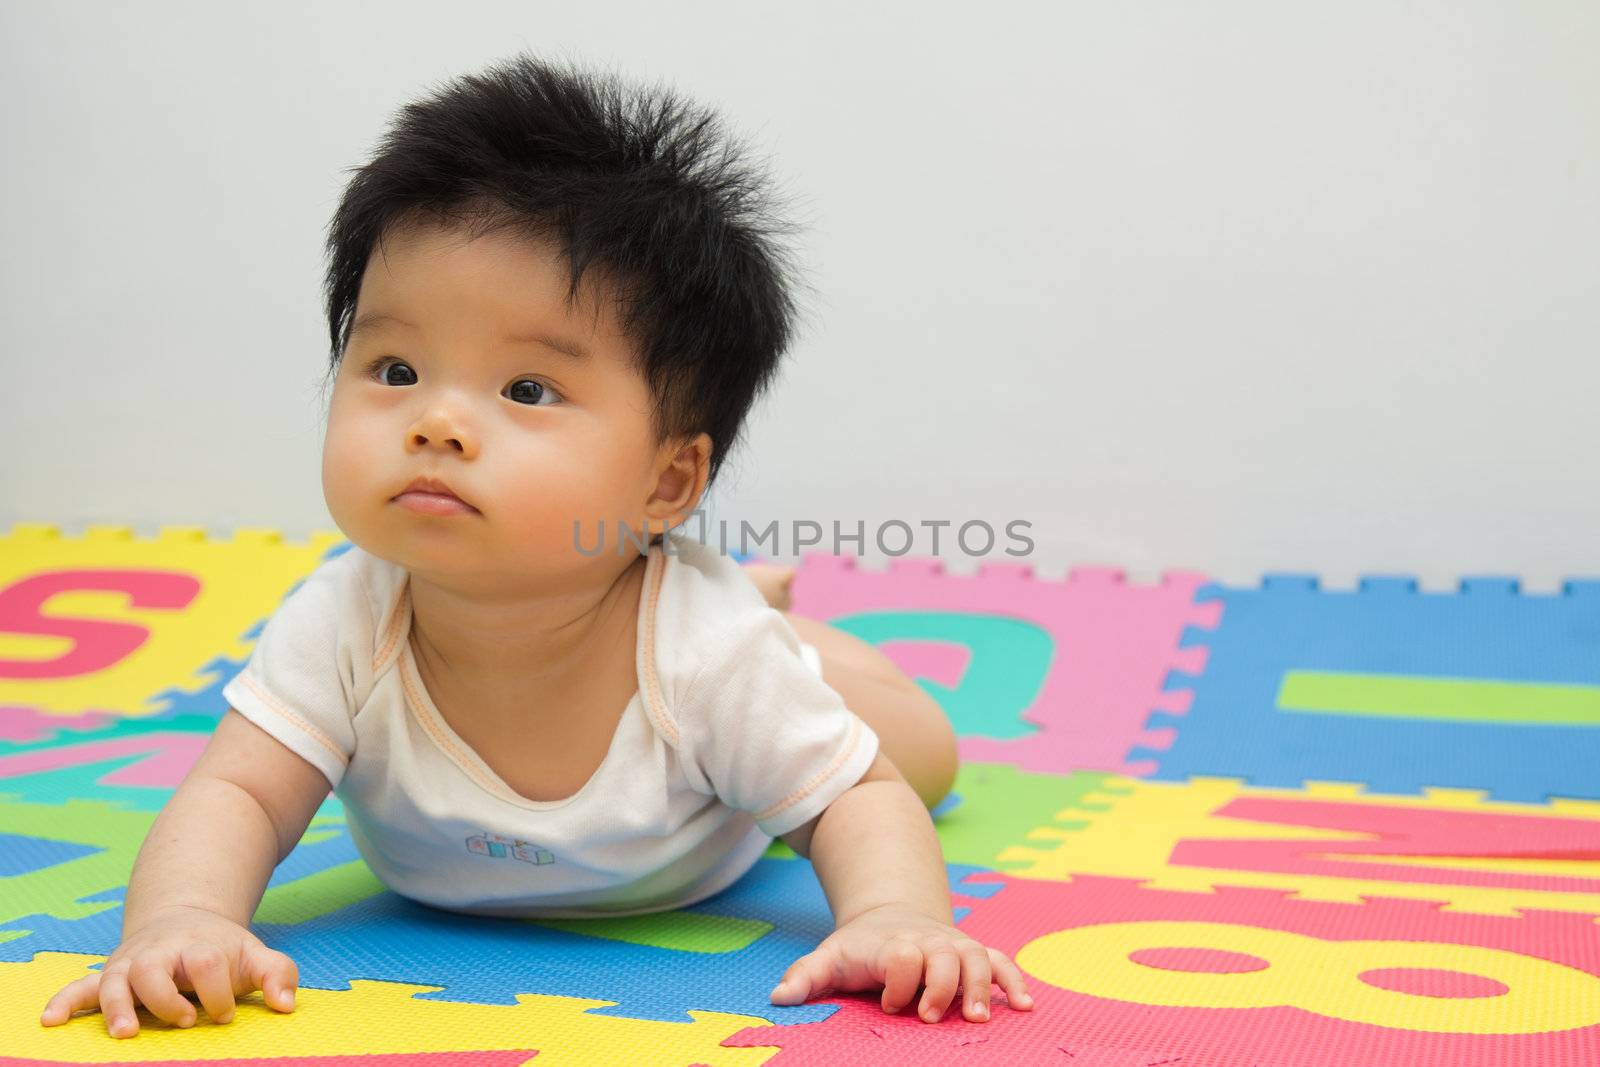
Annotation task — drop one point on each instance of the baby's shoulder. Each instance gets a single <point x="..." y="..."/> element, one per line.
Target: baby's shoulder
<point x="702" y="605"/>
<point x="348" y="599"/>
<point x="358" y="584"/>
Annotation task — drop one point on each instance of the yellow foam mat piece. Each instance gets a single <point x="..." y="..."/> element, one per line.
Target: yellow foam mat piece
<point x="371" y="1018"/>
<point x="181" y="599"/>
<point x="1134" y="834"/>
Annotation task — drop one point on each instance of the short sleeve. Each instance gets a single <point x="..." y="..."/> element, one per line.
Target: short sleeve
<point x="299" y="682"/>
<point x="767" y="734"/>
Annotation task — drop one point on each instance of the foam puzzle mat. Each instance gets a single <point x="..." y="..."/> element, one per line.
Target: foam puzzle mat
<point x="1277" y="826"/>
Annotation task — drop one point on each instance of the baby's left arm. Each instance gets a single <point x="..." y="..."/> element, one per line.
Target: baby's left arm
<point x="877" y="856"/>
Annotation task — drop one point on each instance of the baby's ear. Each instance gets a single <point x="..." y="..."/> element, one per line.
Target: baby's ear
<point x="682" y="479"/>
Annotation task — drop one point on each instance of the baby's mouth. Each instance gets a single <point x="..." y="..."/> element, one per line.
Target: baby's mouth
<point x="426" y="503"/>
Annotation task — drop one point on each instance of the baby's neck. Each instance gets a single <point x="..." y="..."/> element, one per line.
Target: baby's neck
<point x="538" y="644"/>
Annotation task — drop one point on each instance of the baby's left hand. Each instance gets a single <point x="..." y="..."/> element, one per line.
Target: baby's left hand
<point x="892" y="946"/>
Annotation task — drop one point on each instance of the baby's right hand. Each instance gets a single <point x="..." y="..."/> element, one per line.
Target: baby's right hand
<point x="186" y="948"/>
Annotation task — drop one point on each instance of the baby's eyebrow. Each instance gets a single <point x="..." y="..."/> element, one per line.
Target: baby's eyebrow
<point x="565" y="347"/>
<point x="374" y="319"/>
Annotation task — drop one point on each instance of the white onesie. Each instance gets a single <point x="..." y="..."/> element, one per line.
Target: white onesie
<point x="732" y="739"/>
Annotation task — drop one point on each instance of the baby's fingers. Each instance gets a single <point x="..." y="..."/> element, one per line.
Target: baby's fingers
<point x="74" y="996"/>
<point x="944" y="972"/>
<point x="151" y="977"/>
<point x="274" y="973"/>
<point x="902" y="973"/>
<point x="207" y="971"/>
<point x="1008" y="976"/>
<point x="975" y="981"/>
<point x="811" y="974"/>
<point x="116" y="1004"/>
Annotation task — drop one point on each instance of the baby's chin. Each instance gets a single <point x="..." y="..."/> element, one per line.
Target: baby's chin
<point x="504" y="540"/>
<point x="456" y="558"/>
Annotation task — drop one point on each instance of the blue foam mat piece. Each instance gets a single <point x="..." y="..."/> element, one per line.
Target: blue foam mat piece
<point x="1487" y="630"/>
<point x="386" y="937"/>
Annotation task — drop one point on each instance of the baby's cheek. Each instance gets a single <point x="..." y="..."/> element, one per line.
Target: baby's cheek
<point x="581" y="505"/>
<point x="342" y="484"/>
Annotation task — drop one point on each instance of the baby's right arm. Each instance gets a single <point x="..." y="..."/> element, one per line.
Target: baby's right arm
<point x="196" y="883"/>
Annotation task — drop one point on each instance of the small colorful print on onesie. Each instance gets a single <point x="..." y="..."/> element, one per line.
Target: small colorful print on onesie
<point x="492" y="844"/>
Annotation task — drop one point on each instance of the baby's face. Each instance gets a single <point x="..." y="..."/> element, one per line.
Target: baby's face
<point x="532" y="437"/>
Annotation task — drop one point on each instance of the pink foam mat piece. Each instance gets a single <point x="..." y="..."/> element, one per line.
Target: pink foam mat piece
<point x="1342" y="1017"/>
<point x="1115" y="643"/>
<point x="168" y="756"/>
<point x="22" y="724"/>
<point x="1404" y="831"/>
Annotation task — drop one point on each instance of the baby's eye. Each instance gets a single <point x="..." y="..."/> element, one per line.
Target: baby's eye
<point x="543" y="392"/>
<point x="379" y="368"/>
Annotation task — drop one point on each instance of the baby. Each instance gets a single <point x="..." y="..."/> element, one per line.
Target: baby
<point x="551" y="307"/>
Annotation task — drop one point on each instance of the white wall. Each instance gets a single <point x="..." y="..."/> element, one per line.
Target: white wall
<point x="1228" y="286"/>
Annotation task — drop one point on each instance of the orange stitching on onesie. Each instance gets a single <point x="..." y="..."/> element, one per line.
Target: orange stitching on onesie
<point x="321" y="738"/>
<point x="652" y="682"/>
<point x="393" y="633"/>
<point x="822" y="776"/>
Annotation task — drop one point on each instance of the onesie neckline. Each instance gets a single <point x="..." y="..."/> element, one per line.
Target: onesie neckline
<point x="439" y="731"/>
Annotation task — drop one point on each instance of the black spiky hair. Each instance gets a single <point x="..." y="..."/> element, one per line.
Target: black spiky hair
<point x="635" y="182"/>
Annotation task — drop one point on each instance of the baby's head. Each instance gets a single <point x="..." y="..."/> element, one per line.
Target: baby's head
<point x="560" y="296"/>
